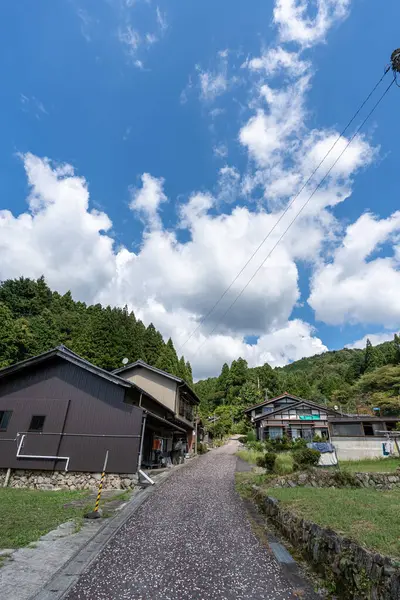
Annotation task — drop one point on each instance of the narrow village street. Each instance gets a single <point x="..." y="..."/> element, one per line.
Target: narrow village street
<point x="191" y="540"/>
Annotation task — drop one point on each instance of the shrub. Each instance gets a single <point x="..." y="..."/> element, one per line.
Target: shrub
<point x="306" y="457"/>
<point x="251" y="436"/>
<point x="279" y="444"/>
<point x="267" y="461"/>
<point x="202" y="448"/>
<point x="345" y="479"/>
<point x="256" y="446"/>
<point x="299" y="443"/>
<point x="242" y="440"/>
<point x="284" y="464"/>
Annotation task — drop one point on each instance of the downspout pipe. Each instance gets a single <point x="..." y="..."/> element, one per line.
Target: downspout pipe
<point x="139" y="470"/>
<point x="39" y="457"/>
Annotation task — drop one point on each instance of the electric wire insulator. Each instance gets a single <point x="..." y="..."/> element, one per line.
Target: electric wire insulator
<point x="395" y="60"/>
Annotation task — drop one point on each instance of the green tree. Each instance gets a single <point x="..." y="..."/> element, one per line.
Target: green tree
<point x="396" y="345"/>
<point x="153" y="344"/>
<point x="189" y="373"/>
<point x="370" y="361"/>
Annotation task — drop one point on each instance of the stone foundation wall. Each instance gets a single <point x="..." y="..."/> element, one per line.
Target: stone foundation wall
<point x="52" y="480"/>
<point x="337" y="478"/>
<point x="356" y="573"/>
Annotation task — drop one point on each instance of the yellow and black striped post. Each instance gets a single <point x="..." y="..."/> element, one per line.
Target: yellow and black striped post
<point x="103" y="474"/>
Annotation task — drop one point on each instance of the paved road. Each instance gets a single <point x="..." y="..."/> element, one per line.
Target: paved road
<point x="190" y="541"/>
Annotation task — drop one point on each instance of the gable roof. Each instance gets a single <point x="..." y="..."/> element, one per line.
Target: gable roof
<point x="70" y="356"/>
<point x="271" y="400"/>
<point x="329" y="411"/>
<point x="144" y="365"/>
<point x="141" y="364"/>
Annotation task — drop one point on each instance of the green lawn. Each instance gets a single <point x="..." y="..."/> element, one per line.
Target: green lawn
<point x="371" y="465"/>
<point x="370" y="517"/>
<point x="26" y="515"/>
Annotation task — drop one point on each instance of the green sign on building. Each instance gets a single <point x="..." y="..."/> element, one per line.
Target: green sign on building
<point x="310" y="418"/>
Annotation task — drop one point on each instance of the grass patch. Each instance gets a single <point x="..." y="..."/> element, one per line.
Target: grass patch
<point x="244" y="481"/>
<point x="369" y="517"/>
<point x="26" y="515"/>
<point x="371" y="465"/>
<point x="249" y="456"/>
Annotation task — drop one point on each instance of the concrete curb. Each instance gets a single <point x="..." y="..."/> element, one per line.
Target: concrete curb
<point x="67" y="576"/>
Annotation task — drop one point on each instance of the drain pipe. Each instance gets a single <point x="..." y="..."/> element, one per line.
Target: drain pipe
<point x="7" y="479"/>
<point x="38" y="457"/>
<point x="140" y="472"/>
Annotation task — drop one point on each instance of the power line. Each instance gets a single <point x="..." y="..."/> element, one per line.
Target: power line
<point x="299" y="212"/>
<point x="387" y="69"/>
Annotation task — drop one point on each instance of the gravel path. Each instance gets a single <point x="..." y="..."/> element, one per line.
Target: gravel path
<point x="190" y="541"/>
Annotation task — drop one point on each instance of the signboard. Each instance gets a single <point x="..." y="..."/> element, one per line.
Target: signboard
<point x="310" y="418"/>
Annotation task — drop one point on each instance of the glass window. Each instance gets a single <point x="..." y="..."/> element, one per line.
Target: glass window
<point x="347" y="429"/>
<point x="5" y="416"/>
<point x="275" y="432"/>
<point x="258" y="411"/>
<point x="37" y="423"/>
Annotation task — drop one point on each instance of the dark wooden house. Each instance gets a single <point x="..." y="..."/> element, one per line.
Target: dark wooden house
<point x="59" y="411"/>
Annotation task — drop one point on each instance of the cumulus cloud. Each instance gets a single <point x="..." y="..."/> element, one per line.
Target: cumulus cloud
<point x="59" y="235"/>
<point x="147" y="199"/>
<point x="374" y="338"/>
<point x="356" y="286"/>
<point x="168" y="282"/>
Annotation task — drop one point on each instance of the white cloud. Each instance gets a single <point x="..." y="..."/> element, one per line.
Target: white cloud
<point x="59" y="236"/>
<point x="374" y="338"/>
<point x="161" y="20"/>
<point x="167" y="282"/>
<point x="275" y="60"/>
<point x="296" y="25"/>
<point x="147" y="199"/>
<point x="212" y="85"/>
<point x="355" y="286"/>
<point x="130" y="38"/>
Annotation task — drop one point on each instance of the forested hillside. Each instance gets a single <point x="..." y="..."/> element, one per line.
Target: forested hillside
<point x="34" y="319"/>
<point x="355" y="380"/>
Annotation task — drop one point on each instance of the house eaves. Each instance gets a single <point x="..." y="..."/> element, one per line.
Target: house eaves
<point x="296" y="405"/>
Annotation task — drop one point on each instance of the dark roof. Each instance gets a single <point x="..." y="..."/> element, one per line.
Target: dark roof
<point x="360" y="418"/>
<point x="144" y="365"/>
<point x="70" y="356"/>
<point x="296" y="405"/>
<point x="285" y="395"/>
<point x="67" y="354"/>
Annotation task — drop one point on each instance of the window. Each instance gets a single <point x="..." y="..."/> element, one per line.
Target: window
<point x="258" y="411"/>
<point x="37" y="423"/>
<point x="5" y="416"/>
<point x="347" y="429"/>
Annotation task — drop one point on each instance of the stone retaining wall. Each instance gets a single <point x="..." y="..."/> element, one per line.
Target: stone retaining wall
<point x="337" y="478"/>
<point x="51" y="480"/>
<point x="357" y="574"/>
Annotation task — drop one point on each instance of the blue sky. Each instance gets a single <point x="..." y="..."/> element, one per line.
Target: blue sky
<point x="148" y="147"/>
